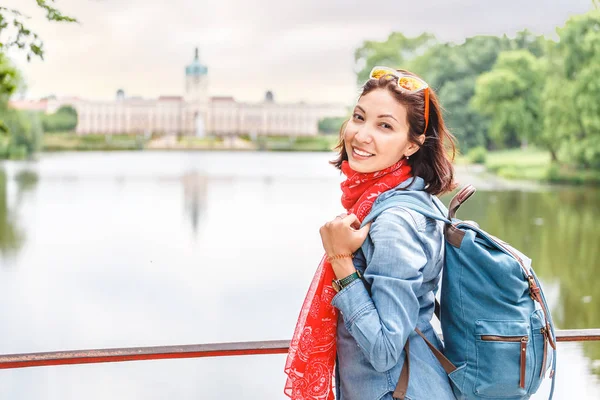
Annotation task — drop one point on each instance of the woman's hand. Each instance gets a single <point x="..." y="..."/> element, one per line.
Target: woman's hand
<point x="343" y="235"/>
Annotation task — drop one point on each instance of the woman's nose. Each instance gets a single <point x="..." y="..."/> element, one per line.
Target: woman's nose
<point x="362" y="135"/>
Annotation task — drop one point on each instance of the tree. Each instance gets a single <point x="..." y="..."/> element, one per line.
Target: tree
<point x="579" y="49"/>
<point x="331" y="125"/>
<point x="395" y="51"/>
<point x="20" y="133"/>
<point x="557" y="102"/>
<point x="510" y="96"/>
<point x="24" y="132"/>
<point x="10" y="80"/>
<point x="452" y="70"/>
<point x="468" y="126"/>
<point x="12" y="22"/>
<point x="525" y="40"/>
<point x="63" y="120"/>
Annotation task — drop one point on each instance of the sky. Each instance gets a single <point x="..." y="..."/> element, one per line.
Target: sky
<point x="300" y="50"/>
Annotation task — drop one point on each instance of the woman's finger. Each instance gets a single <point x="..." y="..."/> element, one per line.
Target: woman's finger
<point x="351" y="221"/>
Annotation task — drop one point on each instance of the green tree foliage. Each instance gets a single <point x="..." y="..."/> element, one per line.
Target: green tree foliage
<point x="526" y="40"/>
<point x="24" y="133"/>
<point x="12" y="124"/>
<point x="396" y="50"/>
<point x="579" y="50"/>
<point x="557" y="99"/>
<point x="63" y="120"/>
<point x="552" y="101"/>
<point x="510" y="96"/>
<point x="15" y="32"/>
<point x="10" y="80"/>
<point x="20" y="133"/>
<point x="331" y="125"/>
<point x="453" y="70"/>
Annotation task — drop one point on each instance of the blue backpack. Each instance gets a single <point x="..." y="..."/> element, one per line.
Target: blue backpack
<point x="498" y="333"/>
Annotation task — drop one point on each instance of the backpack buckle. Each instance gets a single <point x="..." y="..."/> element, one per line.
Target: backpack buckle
<point x="534" y="290"/>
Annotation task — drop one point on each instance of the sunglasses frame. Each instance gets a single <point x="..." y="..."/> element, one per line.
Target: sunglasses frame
<point x="399" y="75"/>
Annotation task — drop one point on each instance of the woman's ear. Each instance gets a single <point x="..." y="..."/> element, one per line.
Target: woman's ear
<point x="414" y="147"/>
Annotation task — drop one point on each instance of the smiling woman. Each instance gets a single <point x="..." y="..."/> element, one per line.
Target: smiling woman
<point x="374" y="142"/>
<point x="377" y="282"/>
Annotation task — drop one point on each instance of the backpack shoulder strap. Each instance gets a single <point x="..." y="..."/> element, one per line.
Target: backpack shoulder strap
<point x="411" y="203"/>
<point x="402" y="385"/>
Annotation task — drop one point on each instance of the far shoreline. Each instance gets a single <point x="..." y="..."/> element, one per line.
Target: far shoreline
<point x="527" y="165"/>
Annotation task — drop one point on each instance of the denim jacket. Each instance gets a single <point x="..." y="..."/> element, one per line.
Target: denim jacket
<point x="401" y="263"/>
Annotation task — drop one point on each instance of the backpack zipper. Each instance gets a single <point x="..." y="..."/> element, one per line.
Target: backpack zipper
<point x="495" y="338"/>
<point x="523" y="351"/>
<point x="545" y="336"/>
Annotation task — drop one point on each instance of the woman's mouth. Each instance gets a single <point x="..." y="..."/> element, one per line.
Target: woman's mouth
<point x="360" y="154"/>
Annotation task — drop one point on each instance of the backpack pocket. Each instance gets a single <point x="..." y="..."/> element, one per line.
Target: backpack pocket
<point x="503" y="351"/>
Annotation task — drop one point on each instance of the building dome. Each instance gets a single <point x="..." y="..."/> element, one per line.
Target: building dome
<point x="196" y="68"/>
<point x="269" y="98"/>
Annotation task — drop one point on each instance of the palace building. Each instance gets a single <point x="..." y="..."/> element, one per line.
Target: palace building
<point x="195" y="113"/>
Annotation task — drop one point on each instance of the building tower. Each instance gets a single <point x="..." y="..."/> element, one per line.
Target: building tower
<point x="196" y="81"/>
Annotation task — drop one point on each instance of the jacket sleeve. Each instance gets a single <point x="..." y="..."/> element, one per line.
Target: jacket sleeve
<point x="381" y="322"/>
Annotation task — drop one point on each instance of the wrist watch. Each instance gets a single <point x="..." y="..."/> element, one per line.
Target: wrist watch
<point x="339" y="284"/>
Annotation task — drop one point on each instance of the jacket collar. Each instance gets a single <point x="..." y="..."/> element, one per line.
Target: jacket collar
<point x="414" y="183"/>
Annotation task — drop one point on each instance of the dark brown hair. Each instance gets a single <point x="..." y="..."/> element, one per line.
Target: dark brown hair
<point x="433" y="160"/>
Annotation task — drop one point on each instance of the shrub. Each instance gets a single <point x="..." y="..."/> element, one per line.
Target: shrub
<point x="477" y="155"/>
<point x="24" y="131"/>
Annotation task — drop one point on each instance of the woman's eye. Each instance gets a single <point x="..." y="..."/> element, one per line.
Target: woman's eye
<point x="386" y="126"/>
<point x="357" y="116"/>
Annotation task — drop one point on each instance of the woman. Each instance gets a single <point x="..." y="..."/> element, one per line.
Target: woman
<point x="376" y="284"/>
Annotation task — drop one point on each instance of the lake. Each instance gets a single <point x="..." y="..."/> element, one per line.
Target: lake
<point x="101" y="250"/>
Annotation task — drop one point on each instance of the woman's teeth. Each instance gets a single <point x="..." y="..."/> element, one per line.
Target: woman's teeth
<point x="362" y="153"/>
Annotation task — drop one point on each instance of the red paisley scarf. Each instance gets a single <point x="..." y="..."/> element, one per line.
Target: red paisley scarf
<point x="311" y="356"/>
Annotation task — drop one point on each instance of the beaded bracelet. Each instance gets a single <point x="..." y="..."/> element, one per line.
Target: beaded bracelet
<point x="339" y="256"/>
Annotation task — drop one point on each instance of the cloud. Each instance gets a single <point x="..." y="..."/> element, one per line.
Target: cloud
<point x="300" y="50"/>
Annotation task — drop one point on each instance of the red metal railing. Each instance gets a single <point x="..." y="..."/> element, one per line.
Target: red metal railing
<point x="194" y="351"/>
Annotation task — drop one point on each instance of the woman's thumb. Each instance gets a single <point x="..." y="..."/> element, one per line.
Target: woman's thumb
<point x="364" y="231"/>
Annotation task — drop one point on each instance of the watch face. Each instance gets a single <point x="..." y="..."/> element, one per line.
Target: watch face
<point x="336" y="285"/>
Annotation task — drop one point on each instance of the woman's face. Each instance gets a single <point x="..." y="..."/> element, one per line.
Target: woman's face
<point x="376" y="136"/>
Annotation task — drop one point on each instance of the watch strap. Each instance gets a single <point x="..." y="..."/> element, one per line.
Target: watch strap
<point x="347" y="280"/>
<point x="339" y="284"/>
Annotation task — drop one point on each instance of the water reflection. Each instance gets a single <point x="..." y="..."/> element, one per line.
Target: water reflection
<point x="12" y="236"/>
<point x="559" y="231"/>
<point x="194" y="192"/>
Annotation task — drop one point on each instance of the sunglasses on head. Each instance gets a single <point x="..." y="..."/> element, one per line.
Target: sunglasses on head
<point x="406" y="83"/>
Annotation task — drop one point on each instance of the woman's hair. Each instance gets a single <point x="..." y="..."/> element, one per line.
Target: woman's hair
<point x="433" y="160"/>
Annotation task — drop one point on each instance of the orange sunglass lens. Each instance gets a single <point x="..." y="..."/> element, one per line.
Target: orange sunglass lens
<point x="410" y="83"/>
<point x="378" y="73"/>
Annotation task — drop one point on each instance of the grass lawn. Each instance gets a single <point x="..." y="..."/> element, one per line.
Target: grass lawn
<point x="532" y="164"/>
<point x="203" y="143"/>
<point x="72" y="141"/>
<point x="535" y="164"/>
<point x="300" y="143"/>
